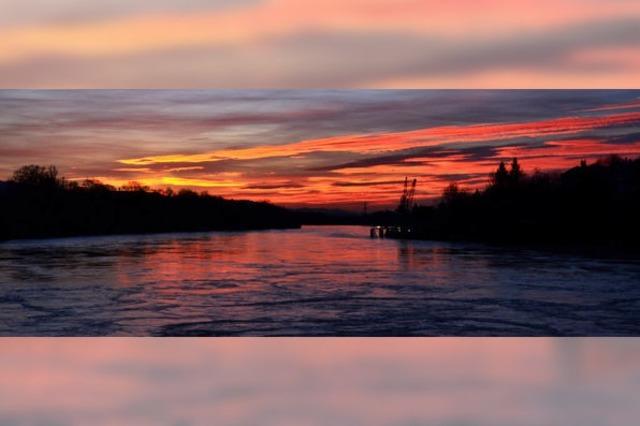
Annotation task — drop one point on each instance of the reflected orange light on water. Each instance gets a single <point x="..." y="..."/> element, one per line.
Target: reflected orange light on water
<point x="318" y="381"/>
<point x="239" y="255"/>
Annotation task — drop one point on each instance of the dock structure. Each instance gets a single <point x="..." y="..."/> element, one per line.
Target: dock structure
<point x="405" y="207"/>
<point x="390" y="232"/>
<point x="377" y="232"/>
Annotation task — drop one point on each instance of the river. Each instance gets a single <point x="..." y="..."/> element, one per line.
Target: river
<point x="320" y="280"/>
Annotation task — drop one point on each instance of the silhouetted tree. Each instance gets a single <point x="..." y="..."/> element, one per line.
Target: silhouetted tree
<point x="516" y="173"/>
<point x="501" y="176"/>
<point x="594" y="203"/>
<point x="451" y="193"/>
<point x="187" y="193"/>
<point x="36" y="175"/>
<point x="36" y="203"/>
<point x="134" y="186"/>
<point x="96" y="185"/>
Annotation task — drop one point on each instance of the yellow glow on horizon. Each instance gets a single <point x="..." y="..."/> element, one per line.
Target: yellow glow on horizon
<point x="205" y="183"/>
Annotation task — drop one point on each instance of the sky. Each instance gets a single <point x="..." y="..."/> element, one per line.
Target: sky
<point x="330" y="148"/>
<point x="319" y="44"/>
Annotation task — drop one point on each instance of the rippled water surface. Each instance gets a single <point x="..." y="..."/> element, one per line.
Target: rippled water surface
<point x="314" y="281"/>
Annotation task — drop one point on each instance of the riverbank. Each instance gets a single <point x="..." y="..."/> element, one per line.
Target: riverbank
<point x="48" y="207"/>
<point x="592" y="205"/>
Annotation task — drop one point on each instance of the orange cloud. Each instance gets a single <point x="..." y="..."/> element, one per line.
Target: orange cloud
<point x="357" y="148"/>
<point x="379" y="184"/>
<point x="564" y="154"/>
<point x="374" y="143"/>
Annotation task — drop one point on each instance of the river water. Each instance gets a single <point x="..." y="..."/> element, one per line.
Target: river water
<point x="331" y="280"/>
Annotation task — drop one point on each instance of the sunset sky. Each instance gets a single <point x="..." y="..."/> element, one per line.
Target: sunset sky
<point x="311" y="147"/>
<point x="309" y="103"/>
<point x="319" y="44"/>
<point x="320" y="147"/>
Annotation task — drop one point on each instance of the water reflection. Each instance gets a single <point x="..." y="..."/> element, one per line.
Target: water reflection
<point x="319" y="381"/>
<point x="314" y="281"/>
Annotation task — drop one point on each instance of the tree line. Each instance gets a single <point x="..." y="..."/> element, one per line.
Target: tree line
<point x="36" y="203"/>
<point x="591" y="203"/>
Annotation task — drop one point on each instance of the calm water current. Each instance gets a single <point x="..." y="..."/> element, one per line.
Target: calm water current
<point x="315" y="281"/>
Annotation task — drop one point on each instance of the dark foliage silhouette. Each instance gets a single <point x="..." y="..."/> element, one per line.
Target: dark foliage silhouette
<point x="37" y="203"/>
<point x="596" y="203"/>
<point x="37" y="176"/>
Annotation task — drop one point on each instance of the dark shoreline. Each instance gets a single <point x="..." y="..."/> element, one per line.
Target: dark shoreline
<point x="593" y="208"/>
<point x="601" y="251"/>
<point x="37" y="204"/>
<point x="568" y="248"/>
